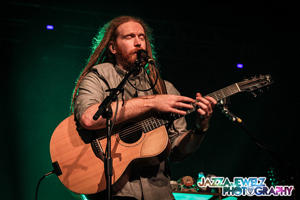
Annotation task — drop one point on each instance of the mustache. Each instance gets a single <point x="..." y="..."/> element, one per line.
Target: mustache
<point x="134" y="51"/>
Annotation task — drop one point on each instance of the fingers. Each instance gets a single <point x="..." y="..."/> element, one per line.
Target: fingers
<point x="177" y="111"/>
<point x="205" y="105"/>
<point x="185" y="99"/>
<point x="181" y="102"/>
<point x="212" y="101"/>
<point x="173" y="103"/>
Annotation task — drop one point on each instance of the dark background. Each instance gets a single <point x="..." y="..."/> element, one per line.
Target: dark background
<point x="199" y="44"/>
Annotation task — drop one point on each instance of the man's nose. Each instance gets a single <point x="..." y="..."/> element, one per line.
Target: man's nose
<point x="137" y="42"/>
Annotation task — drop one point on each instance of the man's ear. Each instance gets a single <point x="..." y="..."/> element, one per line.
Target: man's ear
<point x="112" y="47"/>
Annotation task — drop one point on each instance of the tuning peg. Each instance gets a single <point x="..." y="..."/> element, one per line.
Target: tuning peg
<point x="254" y="95"/>
<point x="261" y="91"/>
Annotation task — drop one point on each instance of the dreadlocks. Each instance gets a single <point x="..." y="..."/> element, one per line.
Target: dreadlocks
<point x="101" y="53"/>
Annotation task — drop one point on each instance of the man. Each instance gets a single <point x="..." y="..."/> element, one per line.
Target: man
<point x="113" y="56"/>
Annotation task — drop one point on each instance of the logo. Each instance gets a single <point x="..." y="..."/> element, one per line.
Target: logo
<point x="252" y="186"/>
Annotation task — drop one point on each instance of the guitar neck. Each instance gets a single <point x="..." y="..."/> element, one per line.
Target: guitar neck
<point x="225" y="92"/>
<point x="166" y="118"/>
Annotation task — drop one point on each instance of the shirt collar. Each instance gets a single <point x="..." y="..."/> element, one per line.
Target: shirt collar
<point x="122" y="73"/>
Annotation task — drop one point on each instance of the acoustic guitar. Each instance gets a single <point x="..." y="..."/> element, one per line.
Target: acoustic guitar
<point x="79" y="154"/>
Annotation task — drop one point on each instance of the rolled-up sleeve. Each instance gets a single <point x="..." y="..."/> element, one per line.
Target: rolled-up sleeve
<point x="91" y="91"/>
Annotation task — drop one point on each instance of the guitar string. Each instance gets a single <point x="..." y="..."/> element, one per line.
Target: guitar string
<point x="148" y="125"/>
<point x="131" y="128"/>
<point x="220" y="94"/>
<point x="151" y="123"/>
<point x="225" y="92"/>
<point x="129" y="132"/>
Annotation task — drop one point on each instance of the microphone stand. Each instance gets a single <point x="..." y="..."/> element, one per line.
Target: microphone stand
<point x="294" y="176"/>
<point x="105" y="111"/>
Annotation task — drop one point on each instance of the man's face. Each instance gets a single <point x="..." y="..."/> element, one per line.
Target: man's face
<point x="131" y="37"/>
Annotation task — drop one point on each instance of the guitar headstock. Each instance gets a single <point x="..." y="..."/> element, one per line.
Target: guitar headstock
<point x="255" y="83"/>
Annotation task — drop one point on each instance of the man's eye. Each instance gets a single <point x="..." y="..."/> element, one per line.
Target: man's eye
<point x="128" y="36"/>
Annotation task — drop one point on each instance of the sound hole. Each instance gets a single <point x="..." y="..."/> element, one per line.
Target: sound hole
<point x="130" y="133"/>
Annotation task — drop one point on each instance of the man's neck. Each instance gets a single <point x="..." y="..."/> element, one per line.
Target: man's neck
<point x="127" y="69"/>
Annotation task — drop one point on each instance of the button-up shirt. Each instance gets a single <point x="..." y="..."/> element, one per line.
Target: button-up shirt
<point x="150" y="182"/>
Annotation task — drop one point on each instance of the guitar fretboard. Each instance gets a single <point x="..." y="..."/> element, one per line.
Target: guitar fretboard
<point x="225" y="92"/>
<point x="163" y="118"/>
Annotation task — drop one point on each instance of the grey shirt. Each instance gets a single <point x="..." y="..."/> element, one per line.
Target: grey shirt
<point x="151" y="182"/>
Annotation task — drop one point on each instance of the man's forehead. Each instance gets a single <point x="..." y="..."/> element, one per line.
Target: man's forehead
<point x="130" y="27"/>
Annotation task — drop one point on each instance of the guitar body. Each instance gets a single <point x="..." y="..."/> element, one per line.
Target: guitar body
<point x="83" y="169"/>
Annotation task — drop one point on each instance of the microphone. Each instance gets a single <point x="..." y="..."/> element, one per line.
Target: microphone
<point x="143" y="56"/>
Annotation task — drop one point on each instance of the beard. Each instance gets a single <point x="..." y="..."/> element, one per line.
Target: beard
<point x="127" y="59"/>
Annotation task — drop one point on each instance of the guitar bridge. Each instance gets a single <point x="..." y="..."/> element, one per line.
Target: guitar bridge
<point x="97" y="148"/>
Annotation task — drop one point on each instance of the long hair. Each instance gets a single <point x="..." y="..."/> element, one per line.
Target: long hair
<point x="100" y="52"/>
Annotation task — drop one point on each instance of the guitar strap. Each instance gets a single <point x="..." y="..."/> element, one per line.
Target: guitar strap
<point x="163" y="85"/>
<point x="160" y="83"/>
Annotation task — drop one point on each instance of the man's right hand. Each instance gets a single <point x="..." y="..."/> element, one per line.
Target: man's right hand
<point x="170" y="103"/>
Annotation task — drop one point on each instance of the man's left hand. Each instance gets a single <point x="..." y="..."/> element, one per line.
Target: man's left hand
<point x="205" y="110"/>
